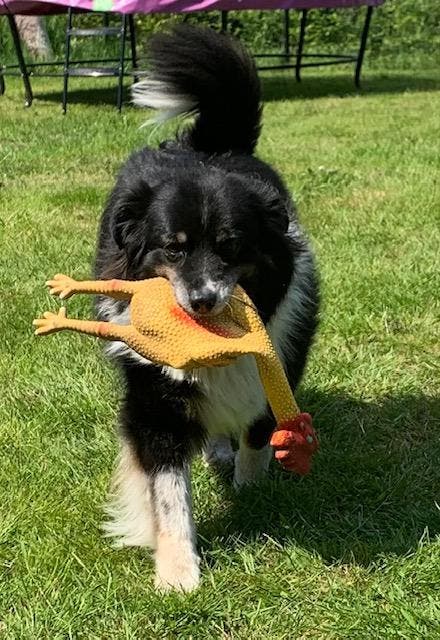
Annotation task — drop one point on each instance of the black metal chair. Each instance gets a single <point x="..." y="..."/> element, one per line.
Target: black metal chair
<point x="126" y="27"/>
<point x="71" y="67"/>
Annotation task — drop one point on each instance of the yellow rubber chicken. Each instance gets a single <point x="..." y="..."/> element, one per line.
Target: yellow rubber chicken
<point x="161" y="331"/>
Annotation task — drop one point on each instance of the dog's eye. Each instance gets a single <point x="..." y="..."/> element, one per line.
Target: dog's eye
<point x="228" y="249"/>
<point x="174" y="252"/>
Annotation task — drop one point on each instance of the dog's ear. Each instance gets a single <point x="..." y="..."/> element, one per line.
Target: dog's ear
<point x="275" y="210"/>
<point x="273" y="207"/>
<point x="267" y="202"/>
<point x="129" y="208"/>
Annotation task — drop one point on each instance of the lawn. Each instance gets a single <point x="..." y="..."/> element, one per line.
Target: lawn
<point x="350" y="552"/>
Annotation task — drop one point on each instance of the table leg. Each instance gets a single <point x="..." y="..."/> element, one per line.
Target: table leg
<point x="224" y="19"/>
<point x="286" y="33"/>
<point x="21" y="63"/>
<point x="133" y="45"/>
<point x="363" y="45"/>
<point x="122" y="61"/>
<point x="299" y="51"/>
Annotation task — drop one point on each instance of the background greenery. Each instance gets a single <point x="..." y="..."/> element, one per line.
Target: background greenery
<point x="400" y="28"/>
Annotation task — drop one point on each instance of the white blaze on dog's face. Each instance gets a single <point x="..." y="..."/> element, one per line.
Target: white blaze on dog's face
<point x="202" y="281"/>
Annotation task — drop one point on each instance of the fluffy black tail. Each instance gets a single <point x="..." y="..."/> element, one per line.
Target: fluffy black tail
<point x="196" y="70"/>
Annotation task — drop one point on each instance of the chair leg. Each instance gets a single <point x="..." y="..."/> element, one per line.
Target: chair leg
<point x="67" y="60"/>
<point x="105" y="24"/>
<point x="363" y="45"/>
<point x="121" y="61"/>
<point x="133" y="45"/>
<point x="21" y="63"/>
<point x="287" y="33"/>
<point x="299" y="51"/>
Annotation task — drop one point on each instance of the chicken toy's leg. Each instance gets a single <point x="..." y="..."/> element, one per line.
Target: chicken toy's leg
<point x="277" y="387"/>
<point x="53" y="322"/>
<point x="64" y="287"/>
<point x="294" y="440"/>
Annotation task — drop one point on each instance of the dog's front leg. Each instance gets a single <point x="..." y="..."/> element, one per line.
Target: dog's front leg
<point x="254" y="455"/>
<point x="130" y="510"/>
<point x="153" y="505"/>
<point x="177" y="561"/>
<point x="152" y="508"/>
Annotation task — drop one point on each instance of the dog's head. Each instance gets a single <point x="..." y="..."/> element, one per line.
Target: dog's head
<point x="204" y="232"/>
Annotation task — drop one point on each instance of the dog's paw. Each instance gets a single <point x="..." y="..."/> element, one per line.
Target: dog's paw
<point x="218" y="453"/>
<point x="177" y="570"/>
<point x="250" y="466"/>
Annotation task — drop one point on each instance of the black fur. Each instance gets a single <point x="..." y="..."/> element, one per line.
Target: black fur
<point x="221" y="76"/>
<point x="234" y="212"/>
<point x="154" y="418"/>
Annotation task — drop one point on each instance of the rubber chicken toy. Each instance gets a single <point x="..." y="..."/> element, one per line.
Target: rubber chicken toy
<point x="162" y="332"/>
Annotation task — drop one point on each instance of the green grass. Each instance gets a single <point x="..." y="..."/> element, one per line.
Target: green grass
<point x="350" y="552"/>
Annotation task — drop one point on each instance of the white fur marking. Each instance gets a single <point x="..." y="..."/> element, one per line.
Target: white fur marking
<point x="232" y="397"/>
<point x="155" y="94"/>
<point x="177" y="561"/>
<point x="130" y="510"/>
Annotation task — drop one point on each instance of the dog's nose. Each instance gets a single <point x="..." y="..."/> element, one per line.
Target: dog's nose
<point x="203" y="300"/>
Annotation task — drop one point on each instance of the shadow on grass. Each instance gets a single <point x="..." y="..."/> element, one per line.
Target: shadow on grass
<point x="372" y="489"/>
<point x="281" y="86"/>
<point x="93" y="95"/>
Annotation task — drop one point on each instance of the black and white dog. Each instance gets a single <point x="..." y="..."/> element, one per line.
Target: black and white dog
<point x="203" y="212"/>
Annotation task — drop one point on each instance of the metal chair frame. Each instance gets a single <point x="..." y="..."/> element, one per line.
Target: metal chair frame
<point x="127" y="22"/>
<point x="69" y="66"/>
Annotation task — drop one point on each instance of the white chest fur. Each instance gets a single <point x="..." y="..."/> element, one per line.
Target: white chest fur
<point x="231" y="397"/>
